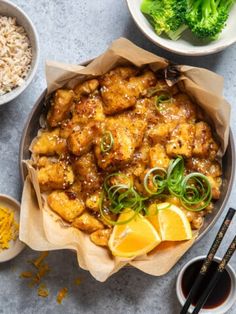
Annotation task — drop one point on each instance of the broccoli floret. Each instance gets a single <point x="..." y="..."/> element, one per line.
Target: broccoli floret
<point x="166" y="16"/>
<point x="207" y="18"/>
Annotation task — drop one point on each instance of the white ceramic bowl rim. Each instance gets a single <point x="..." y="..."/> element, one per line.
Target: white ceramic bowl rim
<point x="175" y="46"/>
<point x="224" y="307"/>
<point x="18" y="90"/>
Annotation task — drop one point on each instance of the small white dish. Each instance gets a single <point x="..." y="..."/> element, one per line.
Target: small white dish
<point x="8" y="8"/>
<point x="188" y="44"/>
<point x="221" y="309"/>
<point x="15" y="246"/>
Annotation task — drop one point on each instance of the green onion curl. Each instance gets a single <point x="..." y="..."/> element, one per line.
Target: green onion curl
<point x="196" y="192"/>
<point x="107" y="142"/>
<point x="157" y="177"/>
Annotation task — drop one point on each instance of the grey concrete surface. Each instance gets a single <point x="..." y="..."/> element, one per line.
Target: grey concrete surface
<point x="74" y="31"/>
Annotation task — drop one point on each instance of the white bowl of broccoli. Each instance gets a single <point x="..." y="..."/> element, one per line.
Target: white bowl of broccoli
<point x="187" y="27"/>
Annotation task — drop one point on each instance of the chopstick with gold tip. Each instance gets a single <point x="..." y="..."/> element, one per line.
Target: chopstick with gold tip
<point x="207" y="262"/>
<point x="213" y="282"/>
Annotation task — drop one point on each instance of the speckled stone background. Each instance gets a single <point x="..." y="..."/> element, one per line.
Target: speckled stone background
<point x="74" y="31"/>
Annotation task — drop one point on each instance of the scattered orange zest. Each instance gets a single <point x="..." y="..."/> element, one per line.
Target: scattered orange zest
<point x="43" y="291"/>
<point x="36" y="276"/>
<point x="26" y="274"/>
<point x="62" y="293"/>
<point x="39" y="260"/>
<point x="42" y="270"/>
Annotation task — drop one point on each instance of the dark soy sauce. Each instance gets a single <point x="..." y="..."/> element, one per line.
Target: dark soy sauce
<point x="220" y="292"/>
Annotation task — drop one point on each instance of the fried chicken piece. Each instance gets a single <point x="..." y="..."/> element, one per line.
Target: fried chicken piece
<point x="86" y="88"/>
<point x="181" y="141"/>
<point x="196" y="219"/>
<point x="158" y="157"/>
<point x="216" y="183"/>
<point x="204" y="144"/>
<point x="76" y="187"/>
<point x="60" y="106"/>
<point x="49" y="143"/>
<point x="87" y="223"/>
<point x="180" y="109"/>
<point x="139" y="162"/>
<point x="120" y="88"/>
<point x="87" y="109"/>
<point x="67" y="127"/>
<point x="127" y="135"/>
<point x="86" y="170"/>
<point x="137" y="128"/>
<point x="197" y="222"/>
<point x="80" y="142"/>
<point x="101" y="237"/>
<point x="93" y="201"/>
<point x="145" y="109"/>
<point x="160" y="132"/>
<point x="55" y="175"/>
<point x="42" y="162"/>
<point x="65" y="204"/>
<point x="205" y="166"/>
<point x="141" y="155"/>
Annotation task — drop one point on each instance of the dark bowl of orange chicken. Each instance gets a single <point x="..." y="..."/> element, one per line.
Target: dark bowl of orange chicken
<point x="128" y="120"/>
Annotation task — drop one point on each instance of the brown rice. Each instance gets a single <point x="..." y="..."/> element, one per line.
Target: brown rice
<point x="15" y="54"/>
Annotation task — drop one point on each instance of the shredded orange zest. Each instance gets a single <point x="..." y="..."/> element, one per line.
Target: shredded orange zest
<point x="39" y="260"/>
<point x="26" y="274"/>
<point x="77" y="281"/>
<point x="8" y="227"/>
<point x="62" y="293"/>
<point x="43" y="291"/>
<point x="42" y="270"/>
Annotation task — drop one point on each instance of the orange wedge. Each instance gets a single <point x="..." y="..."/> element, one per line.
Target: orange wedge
<point x="136" y="237"/>
<point x="170" y="222"/>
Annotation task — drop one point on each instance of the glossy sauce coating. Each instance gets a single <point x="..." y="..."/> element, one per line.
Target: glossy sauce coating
<point x="148" y="122"/>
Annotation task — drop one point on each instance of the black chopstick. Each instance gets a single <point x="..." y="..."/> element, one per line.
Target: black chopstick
<point x="207" y="262"/>
<point x="221" y="267"/>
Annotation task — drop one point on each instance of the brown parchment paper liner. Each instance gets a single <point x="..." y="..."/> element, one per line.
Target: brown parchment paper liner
<point x="42" y="229"/>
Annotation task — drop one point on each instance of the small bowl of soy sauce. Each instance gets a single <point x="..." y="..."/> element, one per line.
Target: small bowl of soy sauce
<point x="222" y="297"/>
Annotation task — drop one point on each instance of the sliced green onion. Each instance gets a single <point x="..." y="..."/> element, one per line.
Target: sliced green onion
<point x="123" y="197"/>
<point x="157" y="177"/>
<point x="119" y="197"/>
<point x="163" y="98"/>
<point x="156" y="89"/>
<point x="196" y="194"/>
<point x="193" y="190"/>
<point x="113" y="222"/>
<point x="107" y="142"/>
<point x="175" y="175"/>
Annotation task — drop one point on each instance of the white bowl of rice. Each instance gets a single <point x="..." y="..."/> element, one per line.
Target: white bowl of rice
<point x="19" y="51"/>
